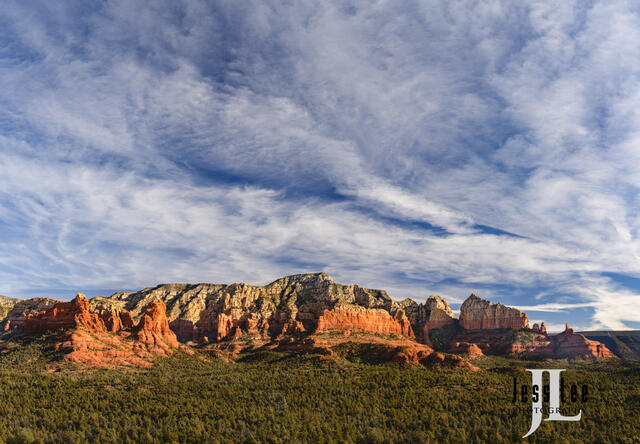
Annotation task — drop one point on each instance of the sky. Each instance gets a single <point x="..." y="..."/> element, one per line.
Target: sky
<point x="434" y="147"/>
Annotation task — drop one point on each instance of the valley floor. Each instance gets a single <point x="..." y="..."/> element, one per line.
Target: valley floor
<point x="279" y="398"/>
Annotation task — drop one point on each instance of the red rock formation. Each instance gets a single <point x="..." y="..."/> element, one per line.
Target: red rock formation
<point x="535" y="345"/>
<point x="364" y="319"/>
<point x="465" y="348"/>
<point x="185" y="330"/>
<point x="104" y="350"/>
<point x="101" y="338"/>
<point x="539" y="328"/>
<point x="16" y="317"/>
<point x="569" y="344"/>
<point x="126" y="320"/>
<point x="438" y="315"/>
<point x="65" y="315"/>
<point x="480" y="314"/>
<point x="115" y="320"/>
<point x="293" y="328"/>
<point x="153" y="329"/>
<point x="406" y="355"/>
<point x="224" y="326"/>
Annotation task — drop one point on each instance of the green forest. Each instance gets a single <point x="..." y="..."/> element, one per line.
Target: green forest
<point x="279" y="398"/>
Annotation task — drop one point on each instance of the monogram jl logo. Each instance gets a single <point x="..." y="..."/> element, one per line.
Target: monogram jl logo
<point x="554" y="399"/>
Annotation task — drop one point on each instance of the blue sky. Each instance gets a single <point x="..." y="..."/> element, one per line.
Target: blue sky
<point x="420" y="147"/>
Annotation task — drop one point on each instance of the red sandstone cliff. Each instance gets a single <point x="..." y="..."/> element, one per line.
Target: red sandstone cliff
<point x="17" y="314"/>
<point x="364" y="319"/>
<point x="479" y="314"/>
<point x="569" y="344"/>
<point x="102" y="338"/>
<point x="153" y="329"/>
<point x="65" y="315"/>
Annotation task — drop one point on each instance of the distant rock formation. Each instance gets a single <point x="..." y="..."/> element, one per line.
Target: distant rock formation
<point x="531" y="344"/>
<point x="625" y="344"/>
<point x="294" y="311"/>
<point x="290" y="305"/>
<point x="569" y="344"/>
<point x="479" y="314"/>
<point x="539" y="328"/>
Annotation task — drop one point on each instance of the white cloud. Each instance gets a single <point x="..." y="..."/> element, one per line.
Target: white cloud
<point x="204" y="142"/>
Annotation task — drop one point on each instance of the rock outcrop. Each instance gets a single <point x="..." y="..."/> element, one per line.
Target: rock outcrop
<point x="105" y="337"/>
<point x="465" y="348"/>
<point x="569" y="345"/>
<point x="439" y="314"/>
<point x="6" y="304"/>
<point x="64" y="315"/>
<point x="479" y="314"/>
<point x="153" y="329"/>
<point x="14" y="319"/>
<point x="539" y="328"/>
<point x="373" y="320"/>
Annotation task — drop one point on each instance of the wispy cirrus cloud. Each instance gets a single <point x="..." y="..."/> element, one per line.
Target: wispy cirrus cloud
<point x="417" y="146"/>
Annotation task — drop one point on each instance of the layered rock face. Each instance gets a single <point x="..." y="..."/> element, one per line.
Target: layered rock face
<point x="364" y="319"/>
<point x="153" y="329"/>
<point x="105" y="337"/>
<point x="290" y="305"/>
<point x="65" y="315"/>
<point x="6" y="304"/>
<point x="569" y="344"/>
<point x="304" y="305"/>
<point x="439" y="313"/>
<point x="479" y="314"/>
<point x="14" y="319"/>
